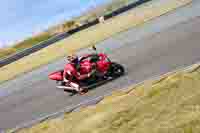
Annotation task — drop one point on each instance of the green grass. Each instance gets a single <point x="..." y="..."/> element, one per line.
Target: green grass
<point x="30" y="42"/>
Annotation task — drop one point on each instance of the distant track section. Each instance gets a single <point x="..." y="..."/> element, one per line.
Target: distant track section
<point x="61" y="36"/>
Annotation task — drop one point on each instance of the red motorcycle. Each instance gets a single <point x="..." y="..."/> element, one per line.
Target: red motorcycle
<point x="105" y="70"/>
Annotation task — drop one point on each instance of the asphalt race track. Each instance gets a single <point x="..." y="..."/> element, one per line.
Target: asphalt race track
<point x="157" y="47"/>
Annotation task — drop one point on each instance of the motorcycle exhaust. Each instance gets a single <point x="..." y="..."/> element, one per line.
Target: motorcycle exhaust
<point x="65" y="87"/>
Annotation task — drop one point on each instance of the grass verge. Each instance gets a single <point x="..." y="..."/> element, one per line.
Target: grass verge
<point x="170" y="104"/>
<point x="90" y="36"/>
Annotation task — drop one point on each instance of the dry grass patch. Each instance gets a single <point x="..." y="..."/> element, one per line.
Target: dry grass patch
<point x="4" y="52"/>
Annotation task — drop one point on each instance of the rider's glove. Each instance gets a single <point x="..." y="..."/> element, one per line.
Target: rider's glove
<point x="91" y="73"/>
<point x="88" y="75"/>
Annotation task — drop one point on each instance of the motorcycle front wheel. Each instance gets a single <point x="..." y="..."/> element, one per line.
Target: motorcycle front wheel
<point x="116" y="70"/>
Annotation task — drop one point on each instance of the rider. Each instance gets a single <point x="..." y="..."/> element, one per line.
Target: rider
<point x="74" y="60"/>
<point x="71" y="70"/>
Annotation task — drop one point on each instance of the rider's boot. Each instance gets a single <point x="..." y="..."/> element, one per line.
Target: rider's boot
<point x="78" y="89"/>
<point x="82" y="91"/>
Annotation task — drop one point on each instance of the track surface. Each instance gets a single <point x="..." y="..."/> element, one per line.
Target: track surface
<point x="159" y="46"/>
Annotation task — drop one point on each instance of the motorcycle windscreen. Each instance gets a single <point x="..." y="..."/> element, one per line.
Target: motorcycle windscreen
<point x="56" y="76"/>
